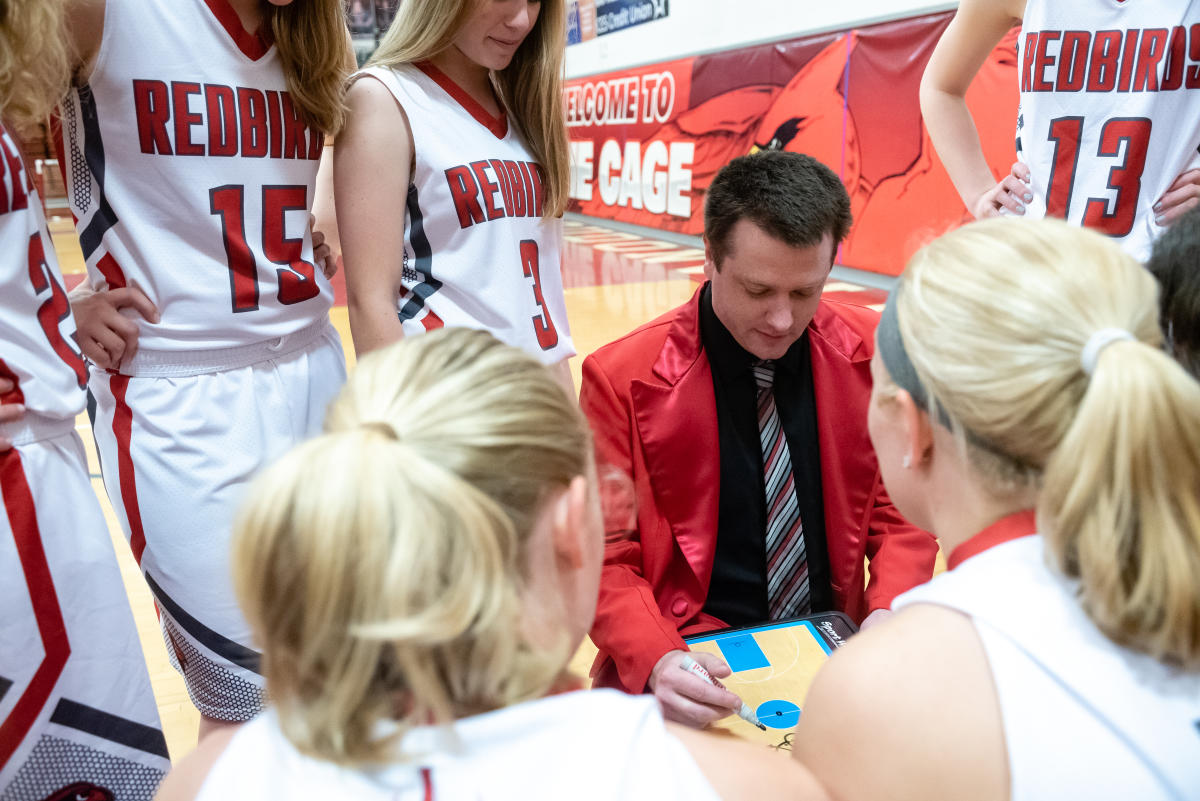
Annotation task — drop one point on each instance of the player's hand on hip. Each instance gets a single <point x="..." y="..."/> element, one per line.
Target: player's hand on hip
<point x="1181" y="196"/>
<point x="108" y="337"/>
<point x="687" y="698"/>
<point x="1009" y="196"/>
<point x="9" y="412"/>
<point x="322" y="252"/>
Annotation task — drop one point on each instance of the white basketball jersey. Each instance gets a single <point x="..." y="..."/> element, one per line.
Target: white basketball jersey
<point x="191" y="175"/>
<point x="37" y="330"/>
<point x="477" y="253"/>
<point x="599" y="745"/>
<point x="1083" y="717"/>
<point x="1110" y="112"/>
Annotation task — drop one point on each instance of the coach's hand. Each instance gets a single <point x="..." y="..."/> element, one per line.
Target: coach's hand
<point x="322" y="252"/>
<point x="1181" y="196"/>
<point x="106" y="336"/>
<point x="687" y="698"/>
<point x="9" y="412"/>
<point x="1008" y="196"/>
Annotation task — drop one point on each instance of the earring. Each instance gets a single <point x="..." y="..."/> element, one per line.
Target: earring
<point x="906" y="461"/>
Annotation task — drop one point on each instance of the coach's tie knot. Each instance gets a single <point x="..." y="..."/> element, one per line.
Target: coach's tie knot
<point x="764" y="374"/>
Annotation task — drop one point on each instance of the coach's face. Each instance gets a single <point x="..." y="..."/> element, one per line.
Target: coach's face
<point x="766" y="291"/>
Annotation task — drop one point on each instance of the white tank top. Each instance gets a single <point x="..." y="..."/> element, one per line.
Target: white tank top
<point x="477" y="253"/>
<point x="37" y="330"/>
<point x="1110" y="112"/>
<point x="191" y="176"/>
<point x="1083" y="717"/>
<point x="598" y="744"/>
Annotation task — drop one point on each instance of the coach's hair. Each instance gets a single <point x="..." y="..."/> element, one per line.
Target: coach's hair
<point x="381" y="565"/>
<point x="314" y="48"/>
<point x="530" y="87"/>
<point x="35" y="65"/>
<point x="1175" y="262"/>
<point x="995" y="317"/>
<point x="791" y="196"/>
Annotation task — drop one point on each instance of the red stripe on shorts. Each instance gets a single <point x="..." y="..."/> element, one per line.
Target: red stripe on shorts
<point x="123" y="430"/>
<point x="431" y="320"/>
<point x="427" y="779"/>
<point x="22" y="518"/>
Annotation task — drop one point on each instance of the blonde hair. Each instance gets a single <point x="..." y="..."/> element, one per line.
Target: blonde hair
<point x="35" y="64"/>
<point x="995" y="317"/>
<point x="381" y="565"/>
<point x="530" y="87"/>
<point x="314" y="47"/>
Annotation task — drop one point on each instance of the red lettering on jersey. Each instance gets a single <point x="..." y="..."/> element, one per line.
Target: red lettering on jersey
<point x="535" y="178"/>
<point x="15" y="167"/>
<point x="1128" y="59"/>
<point x="51" y="313"/>
<point x="294" y="144"/>
<point x="1102" y="74"/>
<point x="1027" y="61"/>
<point x="1192" y="80"/>
<point x="505" y="188"/>
<point x="520" y="204"/>
<point x="252" y="116"/>
<point x="222" y="120"/>
<point x="275" y="126"/>
<point x="1042" y="60"/>
<point x="1151" y="52"/>
<point x="1072" y="61"/>
<point x="185" y="118"/>
<point x="1176" y="57"/>
<point x="316" y="143"/>
<point x="489" y="188"/>
<point x="153" y="111"/>
<point x="465" y="193"/>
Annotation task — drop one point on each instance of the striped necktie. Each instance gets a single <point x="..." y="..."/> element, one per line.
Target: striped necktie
<point x="787" y="562"/>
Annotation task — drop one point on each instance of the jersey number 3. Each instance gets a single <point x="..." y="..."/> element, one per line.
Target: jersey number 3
<point x="1124" y="178"/>
<point x="296" y="284"/>
<point x="543" y="326"/>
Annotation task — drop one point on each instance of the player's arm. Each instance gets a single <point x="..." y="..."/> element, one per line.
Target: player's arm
<point x="371" y="166"/>
<point x="85" y="28"/>
<point x="324" y="215"/>
<point x="976" y="29"/>
<point x="184" y="781"/>
<point x="742" y="771"/>
<point x="906" y="711"/>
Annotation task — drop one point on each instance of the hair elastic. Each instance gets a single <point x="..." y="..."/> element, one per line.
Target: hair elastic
<point x="896" y="360"/>
<point x="1097" y="342"/>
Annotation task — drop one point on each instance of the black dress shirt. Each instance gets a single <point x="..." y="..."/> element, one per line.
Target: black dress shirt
<point x="737" y="593"/>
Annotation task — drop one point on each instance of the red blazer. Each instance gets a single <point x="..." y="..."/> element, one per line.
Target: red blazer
<point x="649" y="398"/>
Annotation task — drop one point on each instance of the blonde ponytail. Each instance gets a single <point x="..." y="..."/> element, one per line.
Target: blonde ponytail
<point x="381" y="565"/>
<point x="996" y="316"/>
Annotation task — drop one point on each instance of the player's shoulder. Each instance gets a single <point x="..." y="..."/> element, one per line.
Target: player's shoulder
<point x="187" y="777"/>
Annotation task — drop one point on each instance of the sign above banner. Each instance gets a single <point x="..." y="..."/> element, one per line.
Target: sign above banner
<point x="587" y="19"/>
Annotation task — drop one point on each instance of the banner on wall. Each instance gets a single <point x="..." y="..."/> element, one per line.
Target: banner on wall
<point x="587" y="19"/>
<point x="646" y="142"/>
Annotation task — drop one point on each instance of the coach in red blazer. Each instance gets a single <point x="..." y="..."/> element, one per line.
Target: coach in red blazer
<point x="651" y="402"/>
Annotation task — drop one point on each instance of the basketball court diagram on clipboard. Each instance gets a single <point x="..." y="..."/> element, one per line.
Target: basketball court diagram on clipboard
<point x="773" y="666"/>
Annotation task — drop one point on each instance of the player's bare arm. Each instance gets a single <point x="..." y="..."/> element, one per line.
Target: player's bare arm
<point x="324" y="216"/>
<point x="85" y="24"/>
<point x="975" y="30"/>
<point x="741" y="771"/>
<point x="687" y="698"/>
<point x="906" y="711"/>
<point x="371" y="168"/>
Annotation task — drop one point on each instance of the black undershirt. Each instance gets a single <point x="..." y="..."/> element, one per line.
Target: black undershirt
<point x="737" y="592"/>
